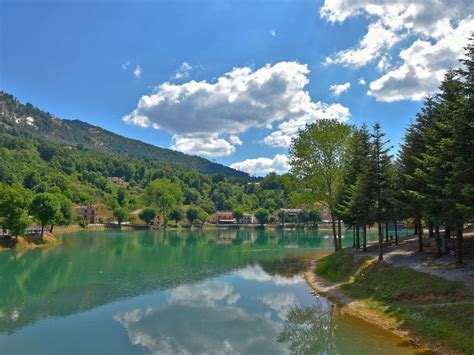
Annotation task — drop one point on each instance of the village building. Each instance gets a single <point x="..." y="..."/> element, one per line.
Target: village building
<point x="248" y="218"/>
<point x="223" y="217"/>
<point x="291" y="214"/>
<point x="87" y="213"/>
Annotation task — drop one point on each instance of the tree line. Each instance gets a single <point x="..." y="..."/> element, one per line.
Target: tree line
<point x="431" y="181"/>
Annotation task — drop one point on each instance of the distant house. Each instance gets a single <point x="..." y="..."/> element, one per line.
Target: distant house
<point x="249" y="218"/>
<point x="117" y="180"/>
<point x="86" y="212"/>
<point x="223" y="217"/>
<point x="291" y="214"/>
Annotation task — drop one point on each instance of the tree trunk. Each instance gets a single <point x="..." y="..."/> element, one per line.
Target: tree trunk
<point x="430" y="229"/>
<point x="339" y="231"/>
<point x="447" y="231"/>
<point x="364" y="238"/>
<point x="51" y="228"/>
<point x="42" y="231"/>
<point x="420" y="235"/>
<point x="357" y="236"/>
<point x="396" y="232"/>
<point x="353" y="237"/>
<point x="416" y="226"/>
<point x="437" y="242"/>
<point x="459" y="238"/>
<point x="380" y="241"/>
<point x="334" y="234"/>
<point x="386" y="231"/>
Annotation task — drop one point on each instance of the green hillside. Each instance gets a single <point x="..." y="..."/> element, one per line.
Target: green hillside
<point x="25" y="120"/>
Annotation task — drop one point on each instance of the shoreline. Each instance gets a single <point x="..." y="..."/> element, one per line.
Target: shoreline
<point x="362" y="310"/>
<point x="25" y="243"/>
<point x="356" y="308"/>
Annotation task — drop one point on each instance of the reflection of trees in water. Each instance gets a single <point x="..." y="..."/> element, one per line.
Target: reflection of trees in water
<point x="310" y="330"/>
<point x="286" y="267"/>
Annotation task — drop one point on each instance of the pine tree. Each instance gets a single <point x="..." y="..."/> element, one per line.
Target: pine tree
<point x="379" y="180"/>
<point x="410" y="161"/>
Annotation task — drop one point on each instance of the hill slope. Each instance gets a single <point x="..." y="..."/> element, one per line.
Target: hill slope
<point x="28" y="121"/>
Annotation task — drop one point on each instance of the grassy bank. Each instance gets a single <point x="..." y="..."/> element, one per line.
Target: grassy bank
<point x="436" y="310"/>
<point x="338" y="266"/>
<point x="28" y="242"/>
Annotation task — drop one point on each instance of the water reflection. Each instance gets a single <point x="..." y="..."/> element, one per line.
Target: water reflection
<point x="222" y="291"/>
<point x="310" y="330"/>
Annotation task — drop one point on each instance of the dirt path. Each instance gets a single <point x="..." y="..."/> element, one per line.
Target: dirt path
<point x="406" y="255"/>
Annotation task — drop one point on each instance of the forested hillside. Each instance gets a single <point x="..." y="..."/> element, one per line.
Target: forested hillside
<point x="84" y="177"/>
<point x="28" y="121"/>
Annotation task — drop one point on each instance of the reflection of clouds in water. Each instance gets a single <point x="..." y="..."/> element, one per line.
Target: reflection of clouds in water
<point x="259" y="275"/>
<point x="281" y="303"/>
<point x="202" y="318"/>
<point x="208" y="292"/>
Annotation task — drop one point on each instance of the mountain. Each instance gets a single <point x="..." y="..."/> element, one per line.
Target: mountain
<point x="25" y="120"/>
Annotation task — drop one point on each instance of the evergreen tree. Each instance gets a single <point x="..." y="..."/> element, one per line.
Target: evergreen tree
<point x="379" y="180"/>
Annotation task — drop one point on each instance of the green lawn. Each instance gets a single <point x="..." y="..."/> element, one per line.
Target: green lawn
<point x="437" y="309"/>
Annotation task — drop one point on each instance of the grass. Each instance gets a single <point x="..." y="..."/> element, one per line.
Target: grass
<point x="336" y="267"/>
<point x="434" y="308"/>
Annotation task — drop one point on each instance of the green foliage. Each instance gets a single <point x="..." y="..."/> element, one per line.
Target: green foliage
<point x="316" y="157"/>
<point x="262" y="216"/>
<point x="120" y="215"/>
<point x="192" y="214"/>
<point x="336" y="266"/>
<point x="238" y="214"/>
<point x="165" y="195"/>
<point x="84" y="136"/>
<point x="147" y="215"/>
<point x="177" y="214"/>
<point x="14" y="202"/>
<point x="46" y="208"/>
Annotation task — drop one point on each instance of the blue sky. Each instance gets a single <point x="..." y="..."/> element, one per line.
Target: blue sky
<point x="229" y="80"/>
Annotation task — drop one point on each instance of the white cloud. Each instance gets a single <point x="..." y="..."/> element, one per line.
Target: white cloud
<point x="235" y="140"/>
<point x="210" y="146"/>
<point x="183" y="71"/>
<point x="263" y="166"/>
<point x="362" y="81"/>
<point x="200" y="114"/>
<point x="288" y="129"/>
<point x="280" y="303"/>
<point x="431" y="27"/>
<point x="378" y="37"/>
<point x="258" y="274"/>
<point x="273" y="33"/>
<point x="423" y="67"/>
<point x="339" y="89"/>
<point x="137" y="71"/>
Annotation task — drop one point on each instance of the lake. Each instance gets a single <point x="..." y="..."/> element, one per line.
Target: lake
<point x="214" y="291"/>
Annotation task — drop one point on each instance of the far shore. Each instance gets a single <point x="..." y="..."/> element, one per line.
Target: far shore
<point x="29" y="242"/>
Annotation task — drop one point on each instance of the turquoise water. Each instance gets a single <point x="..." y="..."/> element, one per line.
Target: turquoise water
<point x="214" y="292"/>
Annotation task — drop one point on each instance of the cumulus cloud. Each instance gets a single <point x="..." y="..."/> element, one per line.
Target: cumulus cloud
<point x="273" y="33"/>
<point x="137" y="71"/>
<point x="183" y="71"/>
<point x="288" y="129"/>
<point x="337" y="90"/>
<point x="210" y="146"/>
<point x="263" y="166"/>
<point x="362" y="81"/>
<point x="378" y="37"/>
<point x="431" y="27"/>
<point x="202" y="115"/>
<point x="423" y="67"/>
